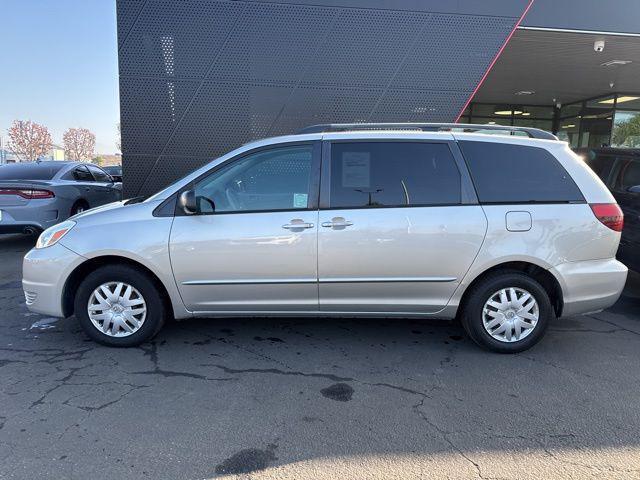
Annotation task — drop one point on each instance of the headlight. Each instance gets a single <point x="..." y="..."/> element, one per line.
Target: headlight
<point x="52" y="234"/>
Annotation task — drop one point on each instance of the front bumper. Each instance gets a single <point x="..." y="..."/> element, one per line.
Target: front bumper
<point x="590" y="286"/>
<point x="44" y="273"/>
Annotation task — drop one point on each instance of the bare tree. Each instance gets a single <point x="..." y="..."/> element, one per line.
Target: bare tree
<point x="79" y="144"/>
<point x="29" y="140"/>
<point x="119" y="139"/>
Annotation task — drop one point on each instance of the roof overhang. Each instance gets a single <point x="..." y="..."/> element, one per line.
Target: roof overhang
<point x="561" y="67"/>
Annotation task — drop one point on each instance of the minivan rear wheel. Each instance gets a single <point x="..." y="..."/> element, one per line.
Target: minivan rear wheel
<point x="507" y="312"/>
<point x="119" y="306"/>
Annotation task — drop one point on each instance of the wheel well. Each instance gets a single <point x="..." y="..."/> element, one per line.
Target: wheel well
<point x="84" y="269"/>
<point x="542" y="276"/>
<point x="80" y="201"/>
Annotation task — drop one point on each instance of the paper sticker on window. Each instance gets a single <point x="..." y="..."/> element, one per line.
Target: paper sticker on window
<point x="356" y="169"/>
<point x="300" y="200"/>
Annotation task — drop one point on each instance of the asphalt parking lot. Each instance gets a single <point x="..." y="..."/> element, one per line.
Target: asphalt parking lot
<point x="315" y="398"/>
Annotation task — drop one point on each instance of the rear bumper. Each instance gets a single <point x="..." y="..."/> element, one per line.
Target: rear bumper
<point x="590" y="286"/>
<point x="44" y="273"/>
<point x="36" y="214"/>
<point x="19" y="228"/>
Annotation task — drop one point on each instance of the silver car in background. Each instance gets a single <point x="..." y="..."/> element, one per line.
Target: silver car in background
<point x="503" y="231"/>
<point x="37" y="195"/>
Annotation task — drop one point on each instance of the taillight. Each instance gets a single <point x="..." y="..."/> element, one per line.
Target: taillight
<point x="28" y="193"/>
<point x="609" y="215"/>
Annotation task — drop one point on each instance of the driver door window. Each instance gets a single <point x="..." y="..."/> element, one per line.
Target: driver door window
<point x="270" y="180"/>
<point x="99" y="174"/>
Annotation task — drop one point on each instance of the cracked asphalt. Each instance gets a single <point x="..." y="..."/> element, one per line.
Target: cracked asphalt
<point x="315" y="398"/>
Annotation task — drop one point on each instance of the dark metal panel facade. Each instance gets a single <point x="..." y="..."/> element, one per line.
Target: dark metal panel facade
<point x="200" y="77"/>
<point x="620" y="16"/>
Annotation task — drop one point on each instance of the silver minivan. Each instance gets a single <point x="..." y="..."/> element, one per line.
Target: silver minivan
<point x="505" y="232"/>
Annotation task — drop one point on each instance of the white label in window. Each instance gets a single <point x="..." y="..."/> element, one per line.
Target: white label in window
<point x="356" y="169"/>
<point x="300" y="200"/>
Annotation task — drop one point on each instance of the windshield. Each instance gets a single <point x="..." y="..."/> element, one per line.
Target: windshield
<point x="29" y="171"/>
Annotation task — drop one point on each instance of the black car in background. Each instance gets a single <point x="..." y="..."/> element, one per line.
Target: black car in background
<point x="619" y="169"/>
<point x="115" y="171"/>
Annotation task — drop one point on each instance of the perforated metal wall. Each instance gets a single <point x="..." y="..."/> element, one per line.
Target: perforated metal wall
<point x="200" y="77"/>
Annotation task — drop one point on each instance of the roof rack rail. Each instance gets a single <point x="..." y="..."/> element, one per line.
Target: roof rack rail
<point x="425" y="127"/>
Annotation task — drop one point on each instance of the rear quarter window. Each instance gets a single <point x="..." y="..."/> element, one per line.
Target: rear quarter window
<point x="507" y="173"/>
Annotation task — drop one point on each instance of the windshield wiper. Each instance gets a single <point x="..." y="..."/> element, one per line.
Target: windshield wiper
<point x="134" y="200"/>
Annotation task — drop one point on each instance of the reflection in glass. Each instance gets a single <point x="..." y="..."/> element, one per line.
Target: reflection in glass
<point x="626" y="130"/>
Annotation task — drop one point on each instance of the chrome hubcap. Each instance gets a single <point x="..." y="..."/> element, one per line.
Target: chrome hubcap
<point x="117" y="309"/>
<point x="510" y="314"/>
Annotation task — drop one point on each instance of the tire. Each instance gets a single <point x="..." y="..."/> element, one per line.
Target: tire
<point x="79" y="206"/>
<point x="144" y="326"/>
<point x="474" y="316"/>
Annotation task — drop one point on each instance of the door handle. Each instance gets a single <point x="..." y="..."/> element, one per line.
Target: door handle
<point x="296" y="224"/>
<point x="337" y="222"/>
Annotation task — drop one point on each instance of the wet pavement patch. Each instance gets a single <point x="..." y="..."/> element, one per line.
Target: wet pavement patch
<point x="271" y="339"/>
<point x="45" y="325"/>
<point x="248" y="460"/>
<point x="340" y="392"/>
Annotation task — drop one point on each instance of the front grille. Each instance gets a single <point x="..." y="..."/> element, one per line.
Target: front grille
<point x="30" y="297"/>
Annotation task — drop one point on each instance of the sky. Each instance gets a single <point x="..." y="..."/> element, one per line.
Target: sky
<point x="59" y="67"/>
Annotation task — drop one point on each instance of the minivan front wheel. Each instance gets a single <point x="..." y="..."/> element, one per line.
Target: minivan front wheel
<point x="507" y="312"/>
<point x="119" y="306"/>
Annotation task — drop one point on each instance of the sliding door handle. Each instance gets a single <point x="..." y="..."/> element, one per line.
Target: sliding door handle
<point x="337" y="222"/>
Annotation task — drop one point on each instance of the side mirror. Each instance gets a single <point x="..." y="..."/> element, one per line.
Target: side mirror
<point x="634" y="189"/>
<point x="187" y="202"/>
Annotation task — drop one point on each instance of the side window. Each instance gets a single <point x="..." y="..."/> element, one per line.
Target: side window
<point x="99" y="174"/>
<point x="629" y="175"/>
<point x="600" y="164"/>
<point x="82" y="174"/>
<point x="274" y="179"/>
<point x="393" y="174"/>
<point x="507" y="173"/>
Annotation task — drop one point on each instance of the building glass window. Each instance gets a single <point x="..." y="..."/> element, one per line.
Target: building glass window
<point x="511" y="115"/>
<point x="571" y="110"/>
<point x="628" y="102"/>
<point x="569" y="131"/>
<point x="589" y="124"/>
<point x="611" y="120"/>
<point x="626" y="129"/>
